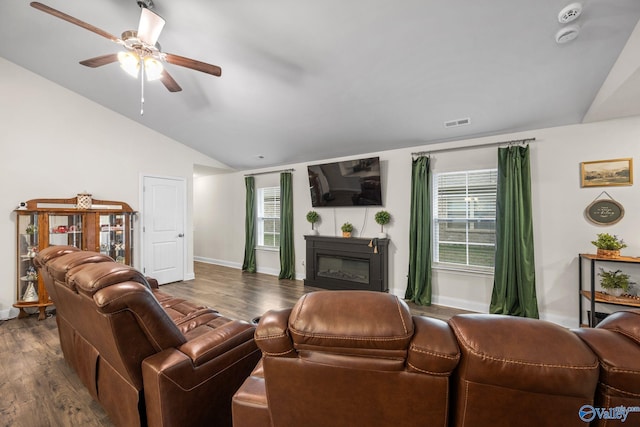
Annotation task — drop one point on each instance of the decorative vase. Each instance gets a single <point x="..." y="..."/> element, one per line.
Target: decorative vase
<point x="382" y="235"/>
<point x="606" y="253"/>
<point x="30" y="294"/>
<point x="313" y="232"/>
<point x="615" y="292"/>
<point x="346" y="234"/>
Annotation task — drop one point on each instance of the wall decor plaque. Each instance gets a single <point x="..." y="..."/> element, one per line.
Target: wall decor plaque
<point x="604" y="211"/>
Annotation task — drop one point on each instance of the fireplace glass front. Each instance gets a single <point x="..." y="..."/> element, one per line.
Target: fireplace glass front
<point x="343" y="268"/>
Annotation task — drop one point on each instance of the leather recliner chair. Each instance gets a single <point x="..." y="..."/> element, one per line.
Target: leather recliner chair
<point x="349" y="358"/>
<point x="147" y="358"/>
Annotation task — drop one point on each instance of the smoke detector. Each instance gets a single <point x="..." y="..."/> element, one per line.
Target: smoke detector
<point x="570" y="13"/>
<point x="566" y="34"/>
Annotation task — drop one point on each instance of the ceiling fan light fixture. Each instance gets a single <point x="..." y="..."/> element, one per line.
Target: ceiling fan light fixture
<point x="129" y="62"/>
<point x="152" y="68"/>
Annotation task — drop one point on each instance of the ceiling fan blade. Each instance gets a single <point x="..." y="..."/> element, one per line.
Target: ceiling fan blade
<point x="193" y="64"/>
<point x="150" y="26"/>
<point x="76" y="21"/>
<point x="99" y="61"/>
<point x="169" y="82"/>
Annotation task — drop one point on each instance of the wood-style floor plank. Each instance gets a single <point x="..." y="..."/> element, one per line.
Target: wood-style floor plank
<point x="39" y="389"/>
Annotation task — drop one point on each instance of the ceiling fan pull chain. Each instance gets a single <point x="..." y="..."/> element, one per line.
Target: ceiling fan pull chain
<point x="142" y="75"/>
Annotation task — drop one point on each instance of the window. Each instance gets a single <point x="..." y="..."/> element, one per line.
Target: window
<point x="465" y="218"/>
<point x="269" y="217"/>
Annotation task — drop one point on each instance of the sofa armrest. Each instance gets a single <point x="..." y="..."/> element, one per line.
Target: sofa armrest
<point x="218" y="341"/>
<point x="153" y="283"/>
<point x="434" y="349"/>
<point x="272" y="333"/>
<point x="193" y="385"/>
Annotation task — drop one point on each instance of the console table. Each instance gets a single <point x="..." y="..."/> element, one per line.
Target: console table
<point x="592" y="295"/>
<point x="347" y="263"/>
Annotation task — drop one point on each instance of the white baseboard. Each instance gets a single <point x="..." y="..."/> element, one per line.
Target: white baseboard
<point x="269" y="271"/>
<point x="217" y="262"/>
<point x="9" y="313"/>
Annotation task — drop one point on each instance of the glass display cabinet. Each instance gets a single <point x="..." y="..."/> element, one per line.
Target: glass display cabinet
<point x="96" y="225"/>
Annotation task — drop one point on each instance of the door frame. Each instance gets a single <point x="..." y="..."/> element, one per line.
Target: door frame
<point x="141" y="234"/>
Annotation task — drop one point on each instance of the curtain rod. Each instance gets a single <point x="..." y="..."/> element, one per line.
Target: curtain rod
<point x="264" y="173"/>
<point x="467" y="147"/>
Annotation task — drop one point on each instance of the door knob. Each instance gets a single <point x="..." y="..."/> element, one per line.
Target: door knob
<point x="180" y="235"/>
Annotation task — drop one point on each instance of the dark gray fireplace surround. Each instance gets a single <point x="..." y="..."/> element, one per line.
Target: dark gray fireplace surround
<point x="347" y="263"/>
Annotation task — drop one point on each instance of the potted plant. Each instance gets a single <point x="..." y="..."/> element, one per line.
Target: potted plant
<point x="608" y="246"/>
<point x="346" y="228"/>
<point x="382" y="218"/>
<point x="313" y="217"/>
<point x="614" y="283"/>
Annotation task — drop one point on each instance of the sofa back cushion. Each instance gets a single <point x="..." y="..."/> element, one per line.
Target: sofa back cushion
<point x="362" y="323"/>
<point x="625" y="322"/>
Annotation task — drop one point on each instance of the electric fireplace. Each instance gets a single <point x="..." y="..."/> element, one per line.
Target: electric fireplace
<point x="352" y="263"/>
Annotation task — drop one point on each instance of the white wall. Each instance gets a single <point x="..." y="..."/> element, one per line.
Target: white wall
<point x="56" y="144"/>
<point x="561" y="231"/>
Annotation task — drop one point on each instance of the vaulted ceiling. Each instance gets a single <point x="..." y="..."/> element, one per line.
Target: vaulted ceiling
<point x="303" y="81"/>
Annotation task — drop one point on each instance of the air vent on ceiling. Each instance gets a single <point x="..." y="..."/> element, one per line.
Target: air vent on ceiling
<point x="570" y="13"/>
<point x="457" y="122"/>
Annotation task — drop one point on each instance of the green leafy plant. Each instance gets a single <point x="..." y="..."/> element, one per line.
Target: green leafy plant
<point x="31" y="229"/>
<point x="313" y="217"/>
<point x="382" y="218"/>
<point x="608" y="242"/>
<point x="614" y="279"/>
<point x="346" y="227"/>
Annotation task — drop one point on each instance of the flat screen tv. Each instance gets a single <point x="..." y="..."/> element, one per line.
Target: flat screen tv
<point x="348" y="183"/>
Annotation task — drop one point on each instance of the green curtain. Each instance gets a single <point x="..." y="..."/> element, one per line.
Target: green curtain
<point x="419" y="282"/>
<point x="287" y="253"/>
<point x="249" y="263"/>
<point x="514" y="286"/>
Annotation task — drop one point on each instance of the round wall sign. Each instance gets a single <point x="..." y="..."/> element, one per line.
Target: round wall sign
<point x="604" y="212"/>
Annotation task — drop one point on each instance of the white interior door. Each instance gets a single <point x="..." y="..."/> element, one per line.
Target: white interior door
<point x="164" y="206"/>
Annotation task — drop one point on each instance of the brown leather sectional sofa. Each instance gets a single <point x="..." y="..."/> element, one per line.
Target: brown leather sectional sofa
<point x="148" y="358"/>
<point x="337" y="358"/>
<point x="352" y="358"/>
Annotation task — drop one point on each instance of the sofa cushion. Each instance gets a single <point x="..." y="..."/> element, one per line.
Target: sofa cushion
<point x="625" y="322"/>
<point x="60" y="266"/>
<point x="51" y="252"/>
<point x="344" y="322"/>
<point x="514" y="352"/>
<point x="90" y="278"/>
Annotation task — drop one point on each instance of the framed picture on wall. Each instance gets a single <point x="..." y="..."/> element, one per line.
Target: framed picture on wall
<point x="606" y="173"/>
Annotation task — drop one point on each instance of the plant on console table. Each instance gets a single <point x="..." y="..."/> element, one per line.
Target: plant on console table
<point x="346" y="228"/>
<point x="614" y="283"/>
<point x="608" y="246"/>
<point x="382" y="218"/>
<point x="313" y="217"/>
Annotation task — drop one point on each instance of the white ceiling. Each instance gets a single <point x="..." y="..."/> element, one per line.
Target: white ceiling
<point x="303" y="81"/>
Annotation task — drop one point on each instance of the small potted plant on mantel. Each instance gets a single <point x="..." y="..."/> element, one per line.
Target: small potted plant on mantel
<point x="313" y="217"/>
<point x="608" y="246"/>
<point x="614" y="283"/>
<point x="382" y="218"/>
<point x="346" y="228"/>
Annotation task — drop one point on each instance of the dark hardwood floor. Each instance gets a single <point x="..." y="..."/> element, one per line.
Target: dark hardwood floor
<point x="38" y="389"/>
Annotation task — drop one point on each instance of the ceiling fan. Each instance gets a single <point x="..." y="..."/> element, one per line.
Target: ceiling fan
<point x="142" y="54"/>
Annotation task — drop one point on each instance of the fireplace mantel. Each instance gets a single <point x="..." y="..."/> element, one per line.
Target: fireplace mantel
<point x="347" y="263"/>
